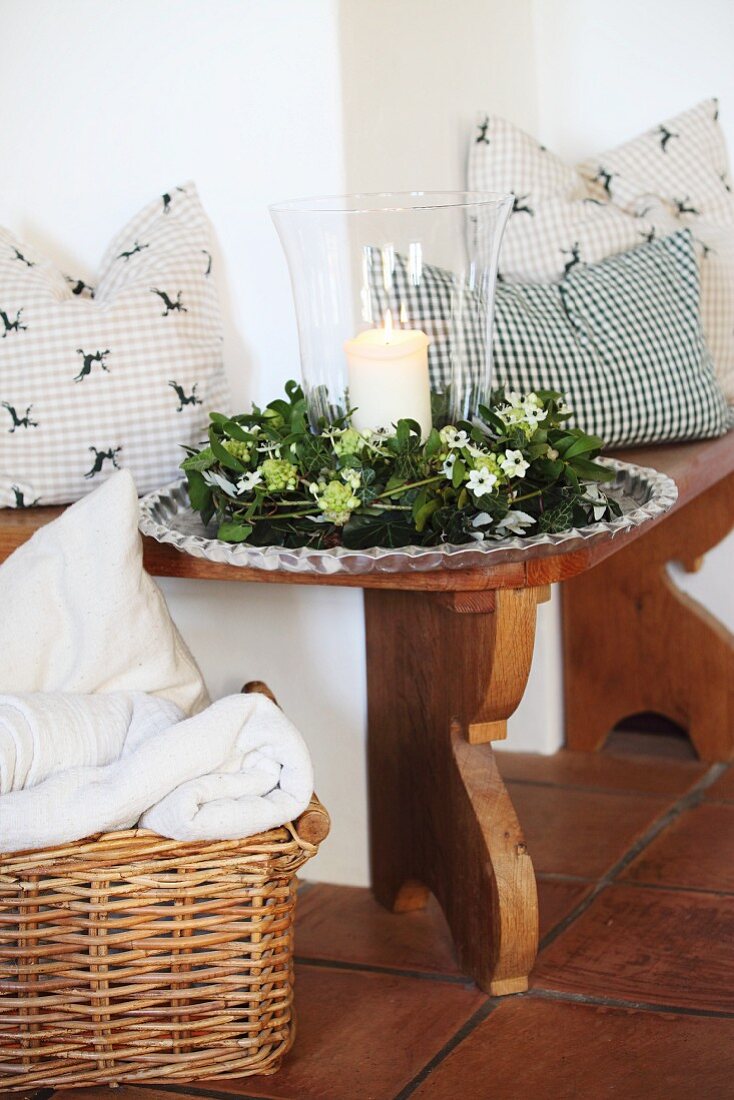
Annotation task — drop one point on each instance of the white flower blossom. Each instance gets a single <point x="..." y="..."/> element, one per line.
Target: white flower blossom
<point x="481" y="481"/>
<point x="481" y="519"/>
<point x="248" y="481"/>
<point x="270" y="448"/>
<point x="453" y="438"/>
<point x="515" y="523"/>
<point x="353" y="478"/>
<point x="448" y="466"/>
<point x="513" y="464"/>
<point x="212" y="478"/>
<point x="534" y="415"/>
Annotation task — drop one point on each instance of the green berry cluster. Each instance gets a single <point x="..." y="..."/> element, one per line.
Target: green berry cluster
<point x="237" y="449"/>
<point x="280" y="476"/>
<point x="337" y="501"/>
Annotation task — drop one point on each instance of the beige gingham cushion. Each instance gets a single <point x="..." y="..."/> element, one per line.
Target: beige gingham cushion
<point x="116" y="377"/>
<point x="674" y="175"/>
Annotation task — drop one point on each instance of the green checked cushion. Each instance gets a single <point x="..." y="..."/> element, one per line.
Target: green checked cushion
<point x="673" y="176"/>
<point x="622" y="340"/>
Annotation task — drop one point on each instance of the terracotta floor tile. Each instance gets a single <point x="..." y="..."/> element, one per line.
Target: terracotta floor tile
<point x="361" y="1035"/>
<point x="661" y="743"/>
<point x="346" y="924"/>
<point x="723" y="788"/>
<point x="607" y="772"/>
<point x="551" y="1050"/>
<point x="99" y="1092"/>
<point x="695" y="851"/>
<point x="33" y="1094"/>
<point x="647" y="945"/>
<point x="556" y="899"/>
<point x="581" y="833"/>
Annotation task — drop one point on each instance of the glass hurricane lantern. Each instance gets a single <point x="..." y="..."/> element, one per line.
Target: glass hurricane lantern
<point x="394" y="297"/>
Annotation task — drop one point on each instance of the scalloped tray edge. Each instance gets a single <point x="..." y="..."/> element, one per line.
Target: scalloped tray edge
<point x="171" y="500"/>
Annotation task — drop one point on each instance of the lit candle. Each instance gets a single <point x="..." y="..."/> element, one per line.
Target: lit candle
<point x="388" y="377"/>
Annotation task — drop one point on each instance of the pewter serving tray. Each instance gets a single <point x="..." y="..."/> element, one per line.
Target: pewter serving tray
<point x="642" y="494"/>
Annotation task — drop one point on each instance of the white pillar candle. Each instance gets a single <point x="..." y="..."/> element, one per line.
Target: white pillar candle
<point x="388" y="378"/>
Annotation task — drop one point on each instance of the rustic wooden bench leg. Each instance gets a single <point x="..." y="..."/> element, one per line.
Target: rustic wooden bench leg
<point x="634" y="642"/>
<point x="445" y="671"/>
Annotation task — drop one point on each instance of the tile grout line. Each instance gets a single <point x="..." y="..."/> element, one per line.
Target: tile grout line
<point x="627" y="791"/>
<point x="693" y="797"/>
<point x="374" y="968"/>
<point x="620" y="1002"/>
<point x="642" y="884"/>
<point x="482" y="1013"/>
<point x="206" y="1094"/>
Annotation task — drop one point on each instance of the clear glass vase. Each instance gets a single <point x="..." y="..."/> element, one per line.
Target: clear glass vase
<point x="394" y="296"/>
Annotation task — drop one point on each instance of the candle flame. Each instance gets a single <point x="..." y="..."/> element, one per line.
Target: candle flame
<point x="388" y="326"/>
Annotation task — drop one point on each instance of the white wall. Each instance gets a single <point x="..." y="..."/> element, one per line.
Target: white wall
<point x="606" y="72"/>
<point x="414" y="75"/>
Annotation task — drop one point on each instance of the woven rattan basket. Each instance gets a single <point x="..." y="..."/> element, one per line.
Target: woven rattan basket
<point x="128" y="957"/>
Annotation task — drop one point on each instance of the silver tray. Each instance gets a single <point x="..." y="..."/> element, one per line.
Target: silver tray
<point x="165" y="515"/>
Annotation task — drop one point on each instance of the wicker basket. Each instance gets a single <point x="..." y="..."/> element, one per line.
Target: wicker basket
<point x="128" y="957"/>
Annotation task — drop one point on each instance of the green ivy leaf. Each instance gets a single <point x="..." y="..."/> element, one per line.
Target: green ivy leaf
<point x="231" y="530"/>
<point x="558" y="518"/>
<point x="592" y="471"/>
<point x="222" y="454"/>
<point x="424" y="513"/>
<point x="202" y="460"/>
<point x="234" y="431"/>
<point x="582" y="445"/>
<point x="433" y="443"/>
<point x="200" y="494"/>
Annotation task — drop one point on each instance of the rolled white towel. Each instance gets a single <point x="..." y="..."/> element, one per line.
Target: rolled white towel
<point x="239" y="767"/>
<point x="45" y="733"/>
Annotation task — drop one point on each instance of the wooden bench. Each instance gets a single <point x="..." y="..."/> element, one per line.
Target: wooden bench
<point x="633" y="641"/>
<point x="448" y="657"/>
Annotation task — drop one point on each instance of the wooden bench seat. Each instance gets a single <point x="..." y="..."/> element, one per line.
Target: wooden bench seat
<point x="633" y="641"/>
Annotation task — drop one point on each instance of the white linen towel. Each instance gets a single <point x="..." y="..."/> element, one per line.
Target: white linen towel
<point x="72" y="766"/>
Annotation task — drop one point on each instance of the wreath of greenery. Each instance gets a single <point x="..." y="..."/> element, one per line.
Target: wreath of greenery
<point x="268" y="479"/>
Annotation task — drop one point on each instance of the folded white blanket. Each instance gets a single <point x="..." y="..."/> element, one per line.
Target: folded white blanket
<point x="73" y="765"/>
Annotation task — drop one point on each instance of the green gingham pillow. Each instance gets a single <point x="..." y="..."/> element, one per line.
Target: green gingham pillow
<point x="622" y="340"/>
<point x="674" y="176"/>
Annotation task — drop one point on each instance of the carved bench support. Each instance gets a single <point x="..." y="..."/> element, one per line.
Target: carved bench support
<point x="634" y="642"/>
<point x="445" y="671"/>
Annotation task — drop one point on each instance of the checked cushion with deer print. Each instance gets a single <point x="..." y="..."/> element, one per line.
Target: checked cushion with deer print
<point x="674" y="176"/>
<point x="94" y="379"/>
